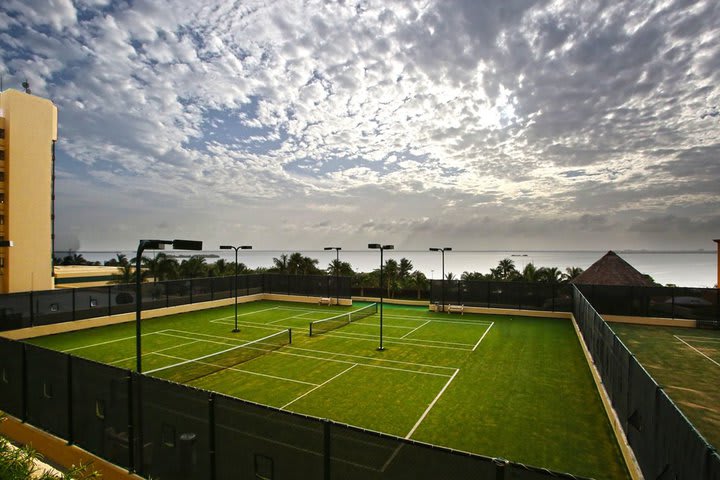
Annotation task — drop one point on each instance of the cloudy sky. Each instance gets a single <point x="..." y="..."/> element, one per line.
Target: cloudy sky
<point x="292" y="125"/>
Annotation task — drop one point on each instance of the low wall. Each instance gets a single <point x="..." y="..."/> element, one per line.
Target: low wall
<point x="627" y="452"/>
<point x="393" y="301"/>
<point x="656" y="321"/>
<point x="40" y="331"/>
<point x="57" y="450"/>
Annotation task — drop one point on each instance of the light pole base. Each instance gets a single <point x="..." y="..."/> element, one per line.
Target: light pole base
<point x="380" y="349"/>
<point x="235" y="330"/>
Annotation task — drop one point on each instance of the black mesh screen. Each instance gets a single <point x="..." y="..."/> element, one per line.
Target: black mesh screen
<point x="178" y="291"/>
<point x="92" y="302"/>
<point x="15" y="311"/>
<point x="175" y="430"/>
<point x="257" y="442"/>
<point x="47" y="389"/>
<point x="53" y="306"/>
<point x="122" y="298"/>
<point x="11" y="377"/>
<point x="100" y="409"/>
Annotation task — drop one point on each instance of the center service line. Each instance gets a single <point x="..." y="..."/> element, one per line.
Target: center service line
<point x="432" y="404"/>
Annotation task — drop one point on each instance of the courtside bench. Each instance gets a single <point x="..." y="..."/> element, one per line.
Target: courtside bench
<point x="456" y="309"/>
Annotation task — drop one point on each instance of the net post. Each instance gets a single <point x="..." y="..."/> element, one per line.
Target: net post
<point x="289" y="336"/>
<point x="311" y="329"/>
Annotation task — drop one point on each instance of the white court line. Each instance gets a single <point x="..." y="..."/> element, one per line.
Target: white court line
<point x="327" y="359"/>
<point x="285" y="318"/>
<point x="701" y="339"/>
<point x="438" y="320"/>
<point x="313" y="389"/>
<point x="152" y="353"/>
<point x="243" y="314"/>
<point x="411" y="331"/>
<point x="404" y="342"/>
<point x="483" y="336"/>
<point x="375" y="335"/>
<point x="206" y="356"/>
<point x="698" y="351"/>
<point x="262" y="326"/>
<point x="290" y="347"/>
<point x="109" y="341"/>
<point x="432" y="404"/>
<point x="235" y="369"/>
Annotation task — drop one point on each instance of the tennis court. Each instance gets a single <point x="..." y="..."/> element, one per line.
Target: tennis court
<point x="686" y="362"/>
<point x="512" y="387"/>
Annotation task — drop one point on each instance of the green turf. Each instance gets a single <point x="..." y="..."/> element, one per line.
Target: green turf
<point x="686" y="363"/>
<point x="524" y="392"/>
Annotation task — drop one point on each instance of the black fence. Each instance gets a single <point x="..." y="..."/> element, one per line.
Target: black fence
<point x="699" y="304"/>
<point x="665" y="443"/>
<point x="513" y="295"/>
<point x="167" y="431"/>
<point x="400" y="293"/>
<point x="29" y="309"/>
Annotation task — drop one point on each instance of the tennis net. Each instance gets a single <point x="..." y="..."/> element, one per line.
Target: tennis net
<point x="322" y="326"/>
<point x="193" y="369"/>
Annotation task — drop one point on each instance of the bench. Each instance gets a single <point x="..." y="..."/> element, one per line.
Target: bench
<point x="325" y="301"/>
<point x="456" y="309"/>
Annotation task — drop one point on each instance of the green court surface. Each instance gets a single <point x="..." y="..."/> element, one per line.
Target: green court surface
<point x="511" y="387"/>
<point x="686" y="363"/>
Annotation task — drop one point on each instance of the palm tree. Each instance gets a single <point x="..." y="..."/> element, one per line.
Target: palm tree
<point x="506" y="269"/>
<point x="472" y="276"/>
<point x="419" y="281"/>
<point x="530" y="273"/>
<point x="160" y="267"/>
<point x="280" y="265"/>
<point x="340" y="268"/>
<point x="450" y="277"/>
<point x="193" y="267"/>
<point x="390" y="274"/>
<point x="550" y="275"/>
<point x="308" y="266"/>
<point x="127" y="274"/>
<point x="405" y="268"/>
<point x="572" y="272"/>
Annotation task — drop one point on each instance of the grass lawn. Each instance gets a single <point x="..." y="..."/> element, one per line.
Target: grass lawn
<point x="511" y="387"/>
<point x="686" y="363"/>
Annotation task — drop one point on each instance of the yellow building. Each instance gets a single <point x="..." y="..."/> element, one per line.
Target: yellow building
<point x="28" y="132"/>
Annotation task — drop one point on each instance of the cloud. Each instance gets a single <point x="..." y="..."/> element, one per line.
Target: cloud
<point x="529" y="118"/>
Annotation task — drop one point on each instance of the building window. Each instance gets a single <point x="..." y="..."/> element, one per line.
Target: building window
<point x="2" y="174"/>
<point x="2" y="262"/>
<point x="2" y="198"/>
<point x="2" y="133"/>
<point x="2" y="219"/>
<point x="2" y="154"/>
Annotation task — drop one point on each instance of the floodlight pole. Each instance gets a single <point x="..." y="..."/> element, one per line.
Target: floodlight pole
<point x="239" y="247"/>
<point x="152" y="245"/>
<point x="337" y="272"/>
<point x="382" y="248"/>
<point x="442" y="250"/>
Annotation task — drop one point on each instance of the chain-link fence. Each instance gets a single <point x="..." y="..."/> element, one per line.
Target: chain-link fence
<point x="168" y="431"/>
<point x="29" y="309"/>
<point x="665" y="443"/>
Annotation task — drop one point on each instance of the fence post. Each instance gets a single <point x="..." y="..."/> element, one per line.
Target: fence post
<point x="247" y="284"/>
<point x="326" y="449"/>
<point x="212" y="288"/>
<point x="167" y="293"/>
<point x="32" y="309"/>
<point x="191" y="290"/>
<point x="70" y="439"/>
<point x="23" y="408"/>
<point x="520" y="295"/>
<point x="554" y="294"/>
<point x="488" y="294"/>
<point x="131" y="424"/>
<point x="672" y="308"/>
<point x="73" y="304"/>
<point x="109" y="299"/>
<point x="211" y="438"/>
<point x="500" y="467"/>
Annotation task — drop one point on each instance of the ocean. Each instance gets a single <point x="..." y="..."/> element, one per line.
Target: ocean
<point x="687" y="269"/>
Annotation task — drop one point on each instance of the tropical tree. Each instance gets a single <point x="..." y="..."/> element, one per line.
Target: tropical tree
<point x="160" y="267"/>
<point x="280" y="264"/>
<point x="473" y="276"/>
<point x="193" y="267"/>
<point x="308" y="266"/>
<point x="530" y="273"/>
<point x="391" y="272"/>
<point x="405" y="268"/>
<point x="338" y="267"/>
<point x="419" y="281"/>
<point x="119" y="260"/>
<point x="550" y="275"/>
<point x="450" y="277"/>
<point x="571" y="273"/>
<point x="127" y="274"/>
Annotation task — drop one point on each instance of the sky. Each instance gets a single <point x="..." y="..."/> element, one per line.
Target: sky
<point x="514" y="124"/>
